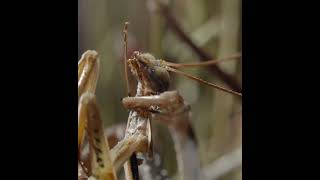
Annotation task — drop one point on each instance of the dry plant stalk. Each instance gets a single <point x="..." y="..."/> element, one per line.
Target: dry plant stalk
<point x="152" y="101"/>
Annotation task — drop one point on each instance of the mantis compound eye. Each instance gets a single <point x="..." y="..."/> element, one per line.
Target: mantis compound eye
<point x="156" y="76"/>
<point x="159" y="79"/>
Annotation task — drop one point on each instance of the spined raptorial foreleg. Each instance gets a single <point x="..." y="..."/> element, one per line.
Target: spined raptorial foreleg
<point x="101" y="161"/>
<point x="88" y="72"/>
<point x="170" y="108"/>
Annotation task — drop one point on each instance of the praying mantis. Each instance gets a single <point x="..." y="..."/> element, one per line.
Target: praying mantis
<point x="153" y="101"/>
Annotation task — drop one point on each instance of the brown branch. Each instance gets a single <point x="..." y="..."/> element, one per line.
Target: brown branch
<point x="176" y="28"/>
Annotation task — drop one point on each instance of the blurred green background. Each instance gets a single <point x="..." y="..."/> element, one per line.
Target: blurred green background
<point x="214" y="25"/>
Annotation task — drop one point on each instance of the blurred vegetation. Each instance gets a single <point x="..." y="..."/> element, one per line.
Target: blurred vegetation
<point x="214" y="25"/>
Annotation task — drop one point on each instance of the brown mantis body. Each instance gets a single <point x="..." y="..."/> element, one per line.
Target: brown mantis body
<point x="167" y="106"/>
<point x="153" y="101"/>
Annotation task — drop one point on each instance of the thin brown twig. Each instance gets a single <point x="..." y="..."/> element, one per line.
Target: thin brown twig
<point x="125" y="41"/>
<point x="130" y="167"/>
<point x="176" y="28"/>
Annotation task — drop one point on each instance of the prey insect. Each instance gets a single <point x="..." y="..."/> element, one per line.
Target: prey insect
<point x="152" y="101"/>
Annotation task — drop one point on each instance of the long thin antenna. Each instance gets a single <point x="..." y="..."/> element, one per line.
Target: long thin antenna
<point x="125" y="41"/>
<point x="203" y="81"/>
<point x="206" y="63"/>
